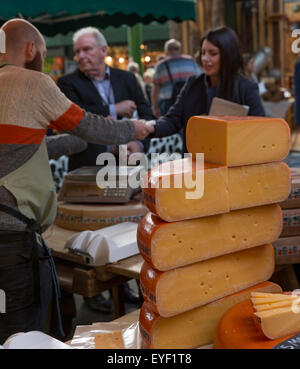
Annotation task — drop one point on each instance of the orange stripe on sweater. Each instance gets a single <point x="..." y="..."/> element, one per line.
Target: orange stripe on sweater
<point x="69" y="120"/>
<point x="12" y="134"/>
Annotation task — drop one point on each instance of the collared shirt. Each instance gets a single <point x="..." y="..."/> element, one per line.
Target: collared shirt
<point x="106" y="92"/>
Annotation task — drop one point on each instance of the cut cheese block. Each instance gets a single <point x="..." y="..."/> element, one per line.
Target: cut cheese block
<point x="193" y="328"/>
<point x="293" y="201"/>
<point x="236" y="141"/>
<point x="255" y="185"/>
<point x="109" y="340"/>
<point x="165" y="193"/>
<point x="225" y="189"/>
<point x="237" y="330"/>
<point x="182" y="289"/>
<point x="171" y="245"/>
<point x="81" y="217"/>
<point x="279" y="322"/>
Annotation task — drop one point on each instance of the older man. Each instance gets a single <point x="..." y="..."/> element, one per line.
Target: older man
<point x="30" y="103"/>
<point x="100" y="89"/>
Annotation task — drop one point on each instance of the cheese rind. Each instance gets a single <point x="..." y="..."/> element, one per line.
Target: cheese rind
<point x="182" y="289"/>
<point x="171" y="245"/>
<point x="236" y="141"/>
<point x="193" y="328"/>
<point x="225" y="189"/>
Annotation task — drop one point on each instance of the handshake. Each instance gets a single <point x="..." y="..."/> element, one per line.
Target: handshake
<point x="143" y="128"/>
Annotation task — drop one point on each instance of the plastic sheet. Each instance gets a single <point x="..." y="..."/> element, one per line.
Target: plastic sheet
<point x="84" y="335"/>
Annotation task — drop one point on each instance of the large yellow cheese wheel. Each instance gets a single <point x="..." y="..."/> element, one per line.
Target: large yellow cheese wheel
<point x="81" y="217"/>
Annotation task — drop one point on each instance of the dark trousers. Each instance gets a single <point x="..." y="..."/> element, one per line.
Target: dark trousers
<point x="22" y="313"/>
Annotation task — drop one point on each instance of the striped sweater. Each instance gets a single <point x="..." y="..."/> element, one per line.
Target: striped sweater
<point x="30" y="104"/>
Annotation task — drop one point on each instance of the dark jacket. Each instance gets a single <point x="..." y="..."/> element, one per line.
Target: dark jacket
<point x="81" y="90"/>
<point x="193" y="100"/>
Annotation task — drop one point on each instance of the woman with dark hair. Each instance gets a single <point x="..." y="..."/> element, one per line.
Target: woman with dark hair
<point x="221" y="60"/>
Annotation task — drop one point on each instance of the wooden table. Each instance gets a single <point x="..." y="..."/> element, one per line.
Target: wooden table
<point x="77" y="276"/>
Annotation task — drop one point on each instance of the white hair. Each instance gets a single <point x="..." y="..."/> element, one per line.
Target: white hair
<point x="172" y="46"/>
<point x="100" y="39"/>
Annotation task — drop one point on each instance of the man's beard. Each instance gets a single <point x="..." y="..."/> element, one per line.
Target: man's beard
<point x="36" y="63"/>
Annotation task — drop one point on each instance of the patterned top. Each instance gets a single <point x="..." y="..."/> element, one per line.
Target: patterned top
<point x="30" y="104"/>
<point x="181" y="68"/>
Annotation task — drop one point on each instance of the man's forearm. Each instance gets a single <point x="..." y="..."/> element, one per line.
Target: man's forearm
<point x="99" y="130"/>
<point x="64" y="144"/>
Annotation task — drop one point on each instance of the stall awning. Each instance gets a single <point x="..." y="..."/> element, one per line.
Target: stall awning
<point x="54" y="17"/>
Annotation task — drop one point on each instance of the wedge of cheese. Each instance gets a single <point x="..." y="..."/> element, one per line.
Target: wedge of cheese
<point x="278" y="322"/>
<point x="237" y="330"/>
<point x="171" y="245"/>
<point x="235" y="141"/>
<point x="276" y="316"/>
<point x="109" y="340"/>
<point x="182" y="289"/>
<point x="193" y="328"/>
<point x="224" y="189"/>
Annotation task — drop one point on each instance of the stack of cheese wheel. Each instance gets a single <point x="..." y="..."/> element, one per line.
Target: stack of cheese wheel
<point x="287" y="247"/>
<point x="206" y="251"/>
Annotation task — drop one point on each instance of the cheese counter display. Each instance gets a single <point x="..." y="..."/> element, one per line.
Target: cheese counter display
<point x="204" y="255"/>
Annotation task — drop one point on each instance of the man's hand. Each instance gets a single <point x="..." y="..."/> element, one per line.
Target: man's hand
<point x="142" y="129"/>
<point x="125" y="108"/>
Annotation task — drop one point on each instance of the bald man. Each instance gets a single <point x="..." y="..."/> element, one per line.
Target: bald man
<point x="30" y="103"/>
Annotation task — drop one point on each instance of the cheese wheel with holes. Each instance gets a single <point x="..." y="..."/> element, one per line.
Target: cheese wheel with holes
<point x="237" y="330"/>
<point x="193" y="328"/>
<point x="236" y="141"/>
<point x="182" y="289"/>
<point x="172" y="245"/>
<point x="224" y="189"/>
